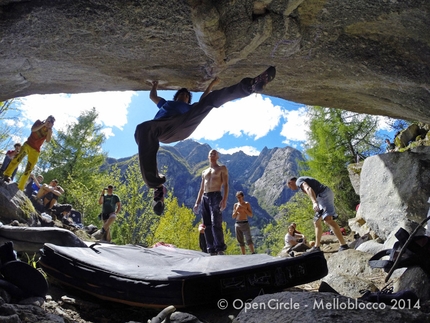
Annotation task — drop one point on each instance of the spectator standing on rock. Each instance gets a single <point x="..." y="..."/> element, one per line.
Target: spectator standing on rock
<point x="111" y="206"/>
<point x="322" y="198"/>
<point x="214" y="179"/>
<point x="241" y="211"/>
<point x="10" y="154"/>
<point x="41" y="131"/>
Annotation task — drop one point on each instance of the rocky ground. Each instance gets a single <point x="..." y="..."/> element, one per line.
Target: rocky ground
<point x="65" y="305"/>
<point x="75" y="307"/>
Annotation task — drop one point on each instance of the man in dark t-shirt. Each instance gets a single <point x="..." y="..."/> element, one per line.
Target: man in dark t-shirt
<point x="322" y="198"/>
<point x="111" y="207"/>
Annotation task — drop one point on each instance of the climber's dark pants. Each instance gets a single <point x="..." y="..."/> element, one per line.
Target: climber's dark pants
<point x="149" y="134"/>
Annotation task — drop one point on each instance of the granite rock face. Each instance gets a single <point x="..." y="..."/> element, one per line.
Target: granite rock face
<point x="394" y="190"/>
<point x="364" y="56"/>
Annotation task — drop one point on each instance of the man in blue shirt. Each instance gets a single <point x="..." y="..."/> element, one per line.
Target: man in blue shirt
<point x="176" y="120"/>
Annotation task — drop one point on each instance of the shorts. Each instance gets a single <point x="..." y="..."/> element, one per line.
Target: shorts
<point x="106" y="216"/>
<point x="325" y="201"/>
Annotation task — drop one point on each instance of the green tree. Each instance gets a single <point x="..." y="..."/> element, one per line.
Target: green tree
<point x="231" y="242"/>
<point x="176" y="226"/>
<point x="136" y="222"/>
<point x="8" y="112"/>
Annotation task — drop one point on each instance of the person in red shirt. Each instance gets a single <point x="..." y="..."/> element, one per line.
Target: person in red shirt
<point x="41" y="131"/>
<point x="10" y="154"/>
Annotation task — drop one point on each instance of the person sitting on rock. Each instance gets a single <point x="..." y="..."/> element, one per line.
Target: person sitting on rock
<point x="295" y="241"/>
<point x="33" y="185"/>
<point x="49" y="194"/>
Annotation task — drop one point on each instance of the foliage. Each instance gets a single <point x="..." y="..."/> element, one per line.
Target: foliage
<point x="7" y="113"/>
<point x="32" y="261"/>
<point x="176" y="226"/>
<point x="233" y="247"/>
<point x="136" y="221"/>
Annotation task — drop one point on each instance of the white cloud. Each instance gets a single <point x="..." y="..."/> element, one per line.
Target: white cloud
<point x="253" y="116"/>
<point x="295" y="127"/>
<point x="66" y="108"/>
<point x="248" y="150"/>
<point x="383" y="123"/>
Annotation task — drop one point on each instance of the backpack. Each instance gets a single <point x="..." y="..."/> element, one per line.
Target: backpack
<point x="417" y="253"/>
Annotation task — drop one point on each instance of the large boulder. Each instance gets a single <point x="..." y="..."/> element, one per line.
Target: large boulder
<point x="394" y="190"/>
<point x="363" y="56"/>
<point x="14" y="204"/>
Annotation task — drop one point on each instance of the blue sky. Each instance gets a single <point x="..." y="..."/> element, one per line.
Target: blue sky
<point x="248" y="124"/>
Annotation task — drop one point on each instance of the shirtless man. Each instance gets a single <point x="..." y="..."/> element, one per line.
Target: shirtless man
<point x="241" y="211"/>
<point x="214" y="179"/>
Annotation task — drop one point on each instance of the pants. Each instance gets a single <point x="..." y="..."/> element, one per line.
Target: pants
<point x="33" y="157"/>
<point x="243" y="233"/>
<point x="5" y="164"/>
<point x="149" y="134"/>
<point x="212" y="219"/>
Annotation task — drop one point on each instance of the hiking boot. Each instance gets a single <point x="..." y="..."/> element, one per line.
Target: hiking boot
<point x="258" y="83"/>
<point x="6" y="179"/>
<point x="314" y="249"/>
<point x="343" y="247"/>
